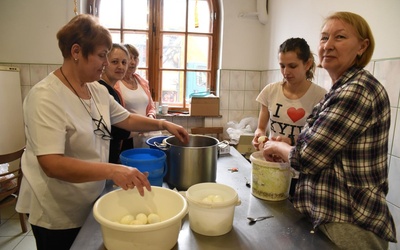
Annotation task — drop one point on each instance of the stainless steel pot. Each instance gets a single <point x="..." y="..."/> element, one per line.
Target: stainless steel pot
<point x="191" y="163"/>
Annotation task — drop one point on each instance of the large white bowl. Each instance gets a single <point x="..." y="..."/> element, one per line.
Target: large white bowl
<point x="169" y="205"/>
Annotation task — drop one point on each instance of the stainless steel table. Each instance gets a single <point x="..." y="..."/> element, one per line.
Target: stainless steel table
<point x="288" y="229"/>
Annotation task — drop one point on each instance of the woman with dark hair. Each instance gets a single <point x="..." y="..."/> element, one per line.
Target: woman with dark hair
<point x="286" y="104"/>
<point x="68" y="117"/>
<point x="342" y="151"/>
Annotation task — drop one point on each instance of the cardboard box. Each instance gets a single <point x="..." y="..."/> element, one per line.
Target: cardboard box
<point x="204" y="106"/>
<point x="245" y="147"/>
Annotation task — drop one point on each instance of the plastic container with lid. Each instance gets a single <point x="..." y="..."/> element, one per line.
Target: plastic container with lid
<point x="211" y="218"/>
<point x="269" y="180"/>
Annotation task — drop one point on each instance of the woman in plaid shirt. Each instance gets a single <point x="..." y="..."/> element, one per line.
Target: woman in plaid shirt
<point x="342" y="151"/>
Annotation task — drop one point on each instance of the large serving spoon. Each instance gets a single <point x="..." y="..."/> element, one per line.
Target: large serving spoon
<point x="254" y="220"/>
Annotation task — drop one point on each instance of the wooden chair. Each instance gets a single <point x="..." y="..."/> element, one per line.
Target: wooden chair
<point x="217" y="131"/>
<point x="9" y="191"/>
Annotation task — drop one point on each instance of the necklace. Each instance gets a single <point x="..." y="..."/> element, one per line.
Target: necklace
<point x="80" y="99"/>
<point x="132" y="83"/>
<point x="98" y="122"/>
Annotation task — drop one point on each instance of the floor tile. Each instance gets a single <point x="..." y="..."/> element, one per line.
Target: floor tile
<point x="27" y="243"/>
<point x="9" y="243"/>
<point x="11" y="228"/>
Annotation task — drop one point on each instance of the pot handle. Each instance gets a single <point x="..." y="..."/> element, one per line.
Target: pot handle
<point x="223" y="144"/>
<point x="161" y="146"/>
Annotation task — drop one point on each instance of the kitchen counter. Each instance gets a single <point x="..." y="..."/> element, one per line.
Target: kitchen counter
<point x="288" y="229"/>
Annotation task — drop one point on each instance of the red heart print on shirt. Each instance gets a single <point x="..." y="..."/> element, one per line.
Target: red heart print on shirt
<point x="296" y="114"/>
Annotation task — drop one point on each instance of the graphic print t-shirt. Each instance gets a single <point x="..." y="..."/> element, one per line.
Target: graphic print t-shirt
<point x="287" y="117"/>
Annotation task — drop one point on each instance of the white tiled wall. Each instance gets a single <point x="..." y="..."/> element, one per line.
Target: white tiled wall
<point x="388" y="73"/>
<point x="239" y="88"/>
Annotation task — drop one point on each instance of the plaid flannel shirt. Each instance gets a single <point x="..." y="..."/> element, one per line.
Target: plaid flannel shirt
<point x="342" y="156"/>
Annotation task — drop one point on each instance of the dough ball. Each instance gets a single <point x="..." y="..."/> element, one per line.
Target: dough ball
<point x="218" y="198"/>
<point x="127" y="219"/>
<point x="208" y="199"/>
<point x="153" y="218"/>
<point x="262" y="139"/>
<point x="142" y="217"/>
<point x="137" y="222"/>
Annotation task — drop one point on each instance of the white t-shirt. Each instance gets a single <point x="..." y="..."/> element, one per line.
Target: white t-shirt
<point x="287" y="117"/>
<point x="56" y="122"/>
<point x="136" y="101"/>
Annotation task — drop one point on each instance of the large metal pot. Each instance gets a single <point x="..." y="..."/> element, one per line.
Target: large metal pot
<point x="191" y="163"/>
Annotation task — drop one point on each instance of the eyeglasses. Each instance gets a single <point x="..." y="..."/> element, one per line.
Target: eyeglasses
<point x="105" y="134"/>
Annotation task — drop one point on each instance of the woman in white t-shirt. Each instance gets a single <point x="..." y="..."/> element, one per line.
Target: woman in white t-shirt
<point x="135" y="92"/>
<point x="68" y="117"/>
<point x="285" y="105"/>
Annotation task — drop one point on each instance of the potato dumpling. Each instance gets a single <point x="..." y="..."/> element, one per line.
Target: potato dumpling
<point x="142" y="217"/>
<point x="262" y="139"/>
<point x="218" y="198"/>
<point x="208" y="199"/>
<point x="137" y="222"/>
<point x="127" y="219"/>
<point x="153" y="218"/>
<point x="213" y="198"/>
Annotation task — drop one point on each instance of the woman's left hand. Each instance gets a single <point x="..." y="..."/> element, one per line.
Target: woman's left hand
<point x="276" y="151"/>
<point x="177" y="130"/>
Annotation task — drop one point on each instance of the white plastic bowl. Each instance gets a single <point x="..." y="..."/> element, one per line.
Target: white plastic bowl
<point x="169" y="205"/>
<point x="211" y="219"/>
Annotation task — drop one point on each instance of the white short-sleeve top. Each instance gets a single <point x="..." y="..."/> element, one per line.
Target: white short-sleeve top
<point x="286" y="116"/>
<point x="57" y="122"/>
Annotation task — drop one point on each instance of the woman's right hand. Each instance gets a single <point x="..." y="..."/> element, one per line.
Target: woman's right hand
<point x="259" y="140"/>
<point x="130" y="177"/>
<point x="177" y="130"/>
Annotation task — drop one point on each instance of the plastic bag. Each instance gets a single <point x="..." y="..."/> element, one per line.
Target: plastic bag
<point x="246" y="126"/>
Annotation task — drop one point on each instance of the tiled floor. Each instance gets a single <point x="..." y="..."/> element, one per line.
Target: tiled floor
<point x="11" y="236"/>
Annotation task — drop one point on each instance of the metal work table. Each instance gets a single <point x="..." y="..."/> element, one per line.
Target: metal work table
<point x="288" y="229"/>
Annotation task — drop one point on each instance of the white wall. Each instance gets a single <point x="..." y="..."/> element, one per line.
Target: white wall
<point x="244" y="42"/>
<point x="382" y="16"/>
<point x="250" y="45"/>
<point x="28" y="30"/>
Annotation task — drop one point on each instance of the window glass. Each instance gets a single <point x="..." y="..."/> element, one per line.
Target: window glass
<point x="199" y="16"/>
<point x="174" y="15"/>
<point x="110" y="14"/>
<point x="173" y="51"/>
<point x="172" y="87"/>
<point x="196" y="83"/>
<point x="136" y="14"/>
<point x="139" y="40"/>
<point x="115" y="36"/>
<point x="198" y="49"/>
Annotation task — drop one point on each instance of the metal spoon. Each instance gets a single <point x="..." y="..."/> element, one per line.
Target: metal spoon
<point x="254" y="220"/>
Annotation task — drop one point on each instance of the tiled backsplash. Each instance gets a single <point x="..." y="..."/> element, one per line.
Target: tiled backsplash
<point x="239" y="89"/>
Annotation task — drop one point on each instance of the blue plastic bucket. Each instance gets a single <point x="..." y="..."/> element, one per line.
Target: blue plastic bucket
<point x="147" y="160"/>
<point x="150" y="142"/>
